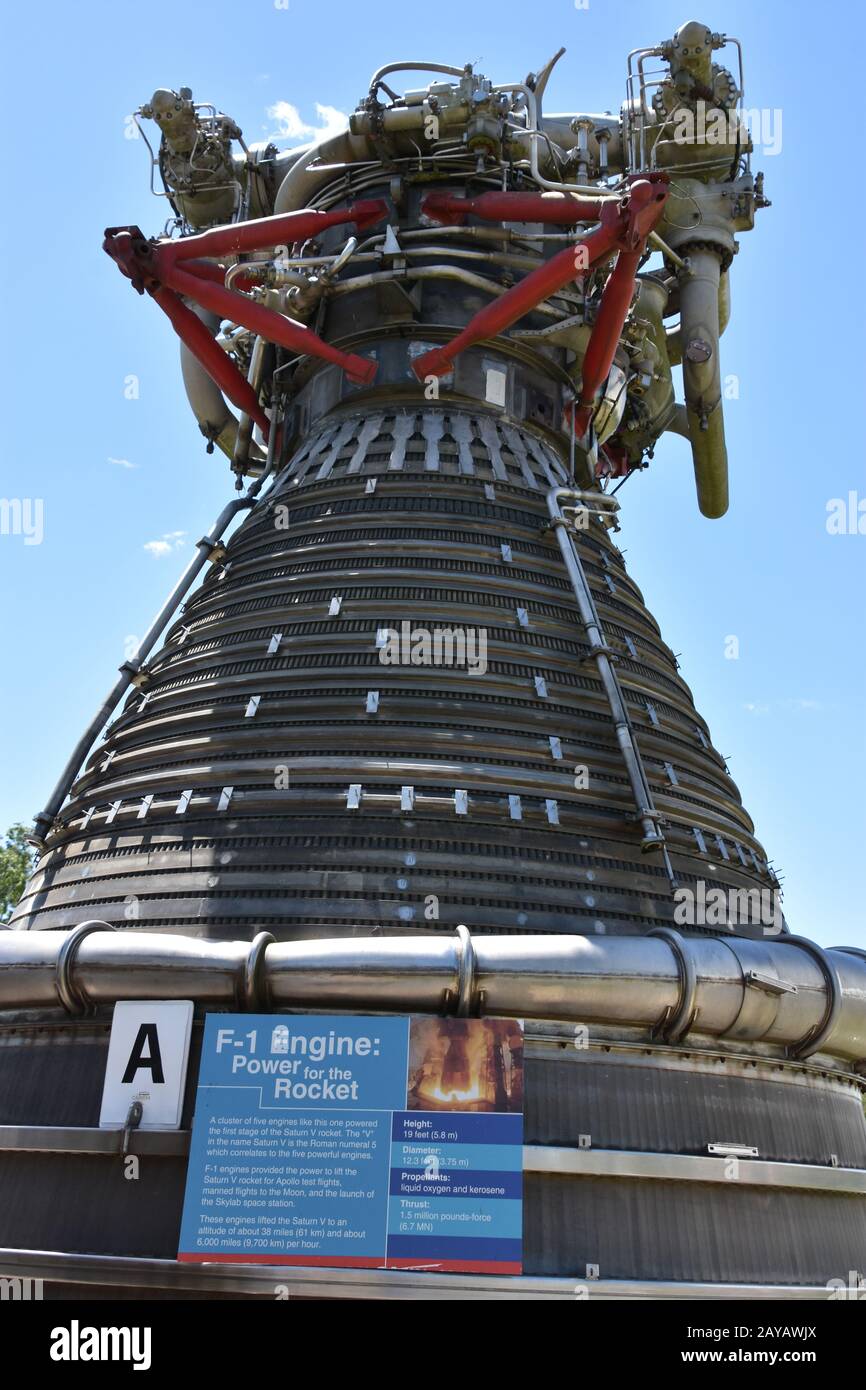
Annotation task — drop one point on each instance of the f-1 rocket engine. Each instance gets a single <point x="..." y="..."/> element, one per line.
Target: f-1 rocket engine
<point x="414" y="742"/>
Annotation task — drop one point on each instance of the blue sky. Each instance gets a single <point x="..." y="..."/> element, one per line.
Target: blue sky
<point x="116" y="474"/>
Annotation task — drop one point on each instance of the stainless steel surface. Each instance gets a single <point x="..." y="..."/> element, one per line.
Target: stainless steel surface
<point x="283" y="1281"/>
<point x="631" y="982"/>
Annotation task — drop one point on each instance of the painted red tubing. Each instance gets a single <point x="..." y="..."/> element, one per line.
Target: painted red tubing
<point x="624" y="224"/>
<point x="604" y="339"/>
<point x="520" y="299"/>
<point x="207" y="351"/>
<point x="268" y="324"/>
<point x="560" y="209"/>
<point x="264" y="232"/>
<point x="209" y="270"/>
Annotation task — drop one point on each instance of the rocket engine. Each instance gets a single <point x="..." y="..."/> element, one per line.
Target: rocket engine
<point x="415" y="742"/>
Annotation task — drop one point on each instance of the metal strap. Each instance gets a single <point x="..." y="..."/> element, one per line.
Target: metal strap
<point x="814" y="1040"/>
<point x="466" y="967"/>
<point x="675" y="1028"/>
<point x="254" y="989"/>
<point x="73" y="999"/>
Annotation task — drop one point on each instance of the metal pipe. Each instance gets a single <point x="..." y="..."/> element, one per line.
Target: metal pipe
<point x="702" y="377"/>
<point x="276" y="328"/>
<point x="431" y="272"/>
<point x="413" y="67"/>
<point x="563" y="209"/>
<point x="190" y="329"/>
<point x="647" y="813"/>
<point x="523" y="297"/>
<point x="604" y="338"/>
<point x="262" y="233"/>
<point x="620" y="982"/>
<point x="216" y="421"/>
<point x="674" y="337"/>
<point x="130" y="669"/>
<point x="244" y="436"/>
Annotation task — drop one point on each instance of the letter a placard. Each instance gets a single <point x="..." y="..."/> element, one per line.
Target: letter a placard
<point x="147" y="1059"/>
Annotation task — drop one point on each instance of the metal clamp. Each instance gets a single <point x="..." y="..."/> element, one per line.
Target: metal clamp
<point x="466" y="968"/>
<point x="814" y="1040"/>
<point x="73" y="999"/>
<point x="254" y="990"/>
<point x="675" y="1025"/>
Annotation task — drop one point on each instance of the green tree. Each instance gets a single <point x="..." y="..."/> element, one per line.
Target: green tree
<point x="16" y="862"/>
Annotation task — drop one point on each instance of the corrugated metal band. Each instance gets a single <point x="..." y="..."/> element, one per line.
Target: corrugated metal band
<point x="537" y="1158"/>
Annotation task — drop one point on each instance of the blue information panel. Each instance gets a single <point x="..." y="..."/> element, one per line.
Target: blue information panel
<point x="370" y="1142"/>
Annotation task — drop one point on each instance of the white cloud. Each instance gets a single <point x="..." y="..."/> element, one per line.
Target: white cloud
<point x="172" y="540"/>
<point x="123" y="463"/>
<point x="290" y="126"/>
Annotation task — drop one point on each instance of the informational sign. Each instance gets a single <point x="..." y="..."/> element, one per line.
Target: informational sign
<point x="369" y="1142"/>
<point x="148" y="1052"/>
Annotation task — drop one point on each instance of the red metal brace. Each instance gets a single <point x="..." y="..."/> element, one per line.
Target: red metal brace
<point x="624" y="226"/>
<point x="168" y="269"/>
<point x="563" y="209"/>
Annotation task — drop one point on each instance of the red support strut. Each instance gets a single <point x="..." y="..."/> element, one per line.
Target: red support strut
<point x="168" y="269"/>
<point x="562" y="209"/>
<point x="625" y="225"/>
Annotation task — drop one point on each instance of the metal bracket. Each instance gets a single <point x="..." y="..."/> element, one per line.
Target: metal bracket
<point x="133" y="1120"/>
<point x="676" y="1023"/>
<point x="768" y="984"/>
<point x="254" y="989"/>
<point x="73" y="1000"/>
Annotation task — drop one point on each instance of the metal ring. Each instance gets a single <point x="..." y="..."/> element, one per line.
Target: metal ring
<point x="675" y="1029"/>
<point x="466" y="965"/>
<point x="816" y="1037"/>
<point x="252" y="985"/>
<point x="73" y="999"/>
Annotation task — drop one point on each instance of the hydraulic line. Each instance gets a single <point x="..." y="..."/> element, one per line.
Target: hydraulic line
<point x="649" y="817"/>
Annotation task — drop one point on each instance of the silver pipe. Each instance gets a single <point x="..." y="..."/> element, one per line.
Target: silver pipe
<point x="413" y="67"/>
<point x="535" y="134"/>
<point x="761" y="991"/>
<point x="130" y="669"/>
<point x="647" y="813"/>
<point x="435" y="272"/>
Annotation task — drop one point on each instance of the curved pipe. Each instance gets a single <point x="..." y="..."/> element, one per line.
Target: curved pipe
<point x="413" y="67"/>
<point x="702" y="378"/>
<point x="216" y="422"/>
<point x="302" y="183"/>
<point x="743" y="990"/>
